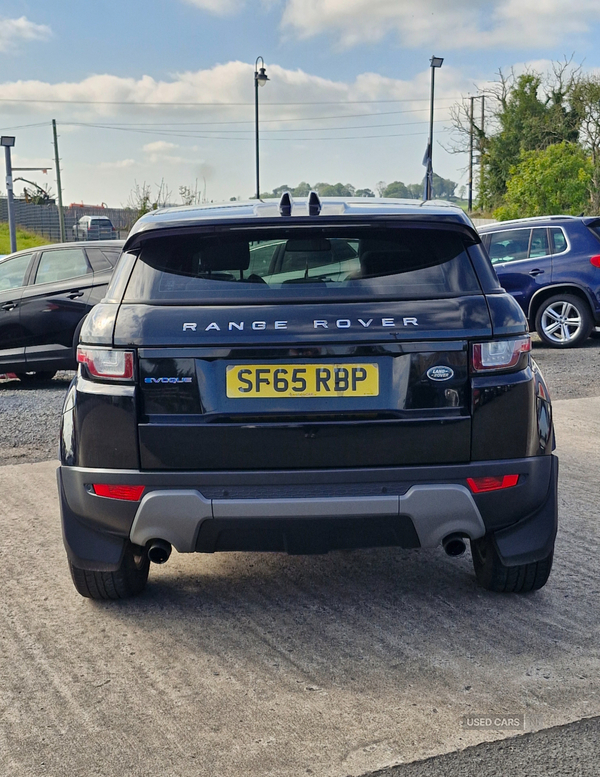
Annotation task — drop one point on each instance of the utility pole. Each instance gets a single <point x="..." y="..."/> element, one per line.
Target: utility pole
<point x="481" y="141"/>
<point x="61" y="215"/>
<point x="471" y="155"/>
<point x="8" y="141"/>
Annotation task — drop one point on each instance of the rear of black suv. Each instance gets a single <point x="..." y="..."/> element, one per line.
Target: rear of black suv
<point x="323" y="376"/>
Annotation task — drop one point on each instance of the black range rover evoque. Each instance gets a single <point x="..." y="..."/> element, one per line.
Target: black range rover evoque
<point x="302" y="377"/>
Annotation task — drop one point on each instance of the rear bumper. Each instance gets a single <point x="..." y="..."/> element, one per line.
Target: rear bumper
<point x="309" y="511"/>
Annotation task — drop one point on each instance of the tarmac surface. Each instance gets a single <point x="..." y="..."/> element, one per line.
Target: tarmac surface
<point x="259" y="664"/>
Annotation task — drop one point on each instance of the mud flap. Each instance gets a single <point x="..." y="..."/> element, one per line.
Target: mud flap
<point x="531" y="539"/>
<point x="86" y="548"/>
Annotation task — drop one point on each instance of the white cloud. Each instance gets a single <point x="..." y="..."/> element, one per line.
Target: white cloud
<point x="121" y="164"/>
<point x="286" y="96"/>
<point x="15" y="31"/>
<point x="159" y="146"/>
<point x="452" y="25"/>
<point x="218" y="7"/>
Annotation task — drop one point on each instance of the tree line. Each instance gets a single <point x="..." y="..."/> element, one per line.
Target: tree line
<point x="443" y="188"/>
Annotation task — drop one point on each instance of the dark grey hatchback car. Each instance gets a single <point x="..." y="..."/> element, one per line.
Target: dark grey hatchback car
<point x="45" y="293"/>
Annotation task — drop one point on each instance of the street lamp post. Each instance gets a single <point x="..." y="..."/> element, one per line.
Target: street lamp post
<point x="260" y="79"/>
<point x="435" y="62"/>
<point x="8" y="141"/>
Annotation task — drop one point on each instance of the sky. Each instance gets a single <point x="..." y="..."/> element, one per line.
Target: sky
<point x="144" y="92"/>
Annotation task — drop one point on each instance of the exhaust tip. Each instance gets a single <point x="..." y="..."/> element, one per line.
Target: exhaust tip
<point x="159" y="551"/>
<point x="454" y="545"/>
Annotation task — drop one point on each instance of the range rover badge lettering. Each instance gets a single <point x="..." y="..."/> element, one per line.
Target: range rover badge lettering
<point x="440" y="372"/>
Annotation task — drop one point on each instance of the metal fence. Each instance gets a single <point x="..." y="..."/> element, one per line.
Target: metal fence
<point x="44" y="220"/>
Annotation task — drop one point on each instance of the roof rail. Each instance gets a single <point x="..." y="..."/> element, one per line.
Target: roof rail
<point x="286" y="203"/>
<point x="314" y="204"/>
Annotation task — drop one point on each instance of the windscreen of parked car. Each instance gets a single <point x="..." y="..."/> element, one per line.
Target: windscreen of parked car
<point x="309" y="264"/>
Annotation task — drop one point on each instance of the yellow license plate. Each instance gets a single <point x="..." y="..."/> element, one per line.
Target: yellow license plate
<point x="302" y="380"/>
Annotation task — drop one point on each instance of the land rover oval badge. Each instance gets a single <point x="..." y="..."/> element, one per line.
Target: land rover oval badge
<point x="440" y="372"/>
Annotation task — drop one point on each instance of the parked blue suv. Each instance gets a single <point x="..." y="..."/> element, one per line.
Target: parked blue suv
<point x="551" y="265"/>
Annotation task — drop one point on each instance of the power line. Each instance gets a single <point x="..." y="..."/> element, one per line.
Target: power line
<point x="25" y="126"/>
<point x="263" y="121"/>
<point x="238" y="131"/>
<point x="196" y="136"/>
<point x="213" y="104"/>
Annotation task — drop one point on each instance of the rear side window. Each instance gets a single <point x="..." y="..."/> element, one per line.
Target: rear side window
<point x="510" y="245"/>
<point x="304" y="264"/>
<point x="539" y="243"/>
<point x="558" y="240"/>
<point x="61" y="264"/>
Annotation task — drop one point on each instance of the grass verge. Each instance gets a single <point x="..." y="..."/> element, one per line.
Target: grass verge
<point x="25" y="239"/>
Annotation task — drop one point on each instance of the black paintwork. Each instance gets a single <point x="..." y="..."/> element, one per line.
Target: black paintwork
<point x="169" y="435"/>
<point x="88" y="518"/>
<point x="38" y="333"/>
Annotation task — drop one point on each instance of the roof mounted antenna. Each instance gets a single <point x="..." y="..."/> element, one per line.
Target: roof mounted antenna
<point x="314" y="204"/>
<point x="286" y="203"/>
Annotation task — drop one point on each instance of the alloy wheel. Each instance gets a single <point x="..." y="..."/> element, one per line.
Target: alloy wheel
<point x="561" y="322"/>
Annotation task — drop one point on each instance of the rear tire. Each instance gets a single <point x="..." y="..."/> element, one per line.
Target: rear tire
<point x="564" y="321"/>
<point x="493" y="575"/>
<point x="35" y="377"/>
<point x="128" y="580"/>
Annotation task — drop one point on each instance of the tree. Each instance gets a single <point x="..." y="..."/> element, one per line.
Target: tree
<point x="364" y="193"/>
<point x="334" y="190"/>
<point x="380" y="187"/>
<point x="190" y="196"/>
<point x="586" y="103"/>
<point x="302" y="190"/>
<point x="141" y="200"/>
<point x="396" y="189"/>
<point x="553" y="180"/>
<point x="526" y="112"/>
<point x="443" y="188"/>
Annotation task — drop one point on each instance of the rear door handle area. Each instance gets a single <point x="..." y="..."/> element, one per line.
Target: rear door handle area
<point x="74" y="294"/>
<point x="535" y="272"/>
<point x="9" y="305"/>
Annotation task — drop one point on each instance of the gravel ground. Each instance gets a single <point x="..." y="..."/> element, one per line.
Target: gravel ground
<point x="29" y="415"/>
<point x="29" y="419"/>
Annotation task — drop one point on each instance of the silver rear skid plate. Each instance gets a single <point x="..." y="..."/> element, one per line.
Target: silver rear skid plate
<point x="436" y="510"/>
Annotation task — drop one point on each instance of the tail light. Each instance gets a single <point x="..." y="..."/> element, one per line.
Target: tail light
<point x="115" y="491"/>
<point x="595" y="260"/>
<point x="106" y="363"/>
<point x="499" y="354"/>
<point x="495" y="483"/>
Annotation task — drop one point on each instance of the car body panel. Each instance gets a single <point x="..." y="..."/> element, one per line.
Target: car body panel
<point x="533" y="279"/>
<point x="37" y="335"/>
<point x="311" y="472"/>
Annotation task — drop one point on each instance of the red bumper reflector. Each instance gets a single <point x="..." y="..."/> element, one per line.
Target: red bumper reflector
<point x="595" y="260"/>
<point x="479" y="485"/>
<point x="115" y="491"/>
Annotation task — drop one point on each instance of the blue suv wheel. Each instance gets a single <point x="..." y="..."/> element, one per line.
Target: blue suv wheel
<point x="563" y="321"/>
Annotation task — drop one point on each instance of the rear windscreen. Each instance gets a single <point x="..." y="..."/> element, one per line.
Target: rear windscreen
<point x="303" y="264"/>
